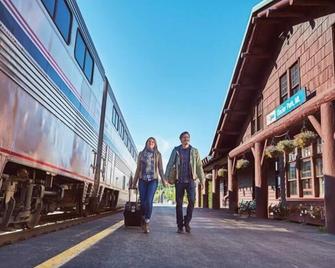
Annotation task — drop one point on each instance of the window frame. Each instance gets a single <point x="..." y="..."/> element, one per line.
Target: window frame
<point x="90" y="81"/>
<point x="255" y="125"/>
<point x="296" y="86"/>
<point x="53" y="18"/>
<point x="115" y="112"/>
<point x="290" y="87"/>
<point x="281" y="96"/>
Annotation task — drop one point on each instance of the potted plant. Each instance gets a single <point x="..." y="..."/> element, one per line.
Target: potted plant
<point x="222" y="172"/>
<point x="304" y="139"/>
<point x="247" y="207"/>
<point x="242" y="163"/>
<point x="279" y="211"/>
<point x="271" y="151"/>
<point x="285" y="146"/>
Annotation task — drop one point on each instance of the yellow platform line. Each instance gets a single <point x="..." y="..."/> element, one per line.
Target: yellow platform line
<point x="74" y="251"/>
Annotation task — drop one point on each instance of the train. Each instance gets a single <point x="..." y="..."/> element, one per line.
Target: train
<point x="64" y="143"/>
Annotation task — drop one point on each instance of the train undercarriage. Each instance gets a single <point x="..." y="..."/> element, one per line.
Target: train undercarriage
<point x="26" y="194"/>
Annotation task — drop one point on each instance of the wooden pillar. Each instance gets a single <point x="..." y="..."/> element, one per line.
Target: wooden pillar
<point x="328" y="160"/>
<point x="232" y="186"/>
<point x="261" y="191"/>
<point x="199" y="195"/>
<point x="205" y="196"/>
<point x="215" y="189"/>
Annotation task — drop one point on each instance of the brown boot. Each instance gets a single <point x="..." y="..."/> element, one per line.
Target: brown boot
<point x="146" y="227"/>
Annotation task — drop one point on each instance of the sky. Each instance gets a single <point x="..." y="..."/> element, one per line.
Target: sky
<point x="169" y="63"/>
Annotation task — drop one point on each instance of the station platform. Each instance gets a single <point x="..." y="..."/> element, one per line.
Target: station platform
<point x="218" y="239"/>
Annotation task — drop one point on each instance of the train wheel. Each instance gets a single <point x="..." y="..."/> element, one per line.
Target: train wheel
<point x="8" y="212"/>
<point x="35" y="214"/>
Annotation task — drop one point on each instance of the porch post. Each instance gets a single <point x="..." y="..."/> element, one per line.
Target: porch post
<point x="232" y="186"/>
<point x="216" y="189"/>
<point x="328" y="161"/>
<point x="260" y="183"/>
<point x="205" y="196"/>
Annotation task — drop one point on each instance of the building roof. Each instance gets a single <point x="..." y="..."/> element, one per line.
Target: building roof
<point x="269" y="21"/>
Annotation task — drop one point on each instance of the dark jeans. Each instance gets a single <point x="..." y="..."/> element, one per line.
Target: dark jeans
<point x="180" y="191"/>
<point x="147" y="191"/>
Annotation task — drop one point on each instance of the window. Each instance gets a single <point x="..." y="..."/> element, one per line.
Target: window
<point x="318" y="167"/>
<point x="126" y="139"/>
<point x="294" y="78"/>
<point x="88" y="69"/>
<point x="289" y="88"/>
<point x="61" y="15"/>
<point x="293" y="155"/>
<point x="257" y="118"/>
<point x="50" y="6"/>
<point x="283" y="88"/>
<point x="306" y="176"/>
<point x="84" y="57"/>
<point x="121" y="130"/>
<point x="292" y="179"/>
<point x="79" y="51"/>
<point x="115" y="118"/>
<point x="306" y="152"/>
<point x="319" y="175"/>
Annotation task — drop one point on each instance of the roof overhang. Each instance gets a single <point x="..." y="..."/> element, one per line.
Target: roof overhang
<point x="268" y="25"/>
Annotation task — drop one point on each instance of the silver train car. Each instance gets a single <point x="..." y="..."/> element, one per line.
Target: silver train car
<point x="64" y="144"/>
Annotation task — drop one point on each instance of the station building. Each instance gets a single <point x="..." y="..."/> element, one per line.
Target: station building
<point x="282" y="92"/>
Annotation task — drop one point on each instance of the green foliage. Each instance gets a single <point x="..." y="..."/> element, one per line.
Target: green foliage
<point x="279" y="210"/>
<point x="247" y="207"/>
<point x="222" y="172"/>
<point x="272" y="151"/>
<point x="285" y="146"/>
<point x="304" y="138"/>
<point x="242" y="163"/>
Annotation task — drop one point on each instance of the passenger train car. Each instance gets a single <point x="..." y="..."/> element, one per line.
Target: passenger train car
<point x="63" y="139"/>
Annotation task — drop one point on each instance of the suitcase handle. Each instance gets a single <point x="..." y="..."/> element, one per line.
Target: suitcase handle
<point x="129" y="191"/>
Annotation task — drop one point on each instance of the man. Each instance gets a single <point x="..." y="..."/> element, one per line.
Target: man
<point x="183" y="169"/>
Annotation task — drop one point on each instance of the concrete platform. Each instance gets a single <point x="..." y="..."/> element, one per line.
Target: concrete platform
<point x="218" y="239"/>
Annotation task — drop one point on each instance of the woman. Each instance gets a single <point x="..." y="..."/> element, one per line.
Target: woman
<point x="149" y="167"/>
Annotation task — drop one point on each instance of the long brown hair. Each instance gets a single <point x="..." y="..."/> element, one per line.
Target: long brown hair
<point x="146" y="144"/>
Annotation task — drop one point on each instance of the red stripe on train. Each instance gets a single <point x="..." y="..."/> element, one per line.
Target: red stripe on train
<point x="6" y="151"/>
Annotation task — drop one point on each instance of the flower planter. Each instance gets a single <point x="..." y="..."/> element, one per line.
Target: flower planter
<point x="242" y="163"/>
<point x="272" y="151"/>
<point x="285" y="146"/>
<point x="304" y="138"/>
<point x="222" y="172"/>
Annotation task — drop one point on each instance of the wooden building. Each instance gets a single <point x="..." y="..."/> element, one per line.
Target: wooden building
<point x="283" y="84"/>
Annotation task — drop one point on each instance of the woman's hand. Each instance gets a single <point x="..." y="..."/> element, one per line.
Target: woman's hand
<point x="165" y="183"/>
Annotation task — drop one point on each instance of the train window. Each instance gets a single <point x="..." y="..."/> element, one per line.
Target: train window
<point x="61" y="15"/>
<point x="83" y="57"/>
<point x="63" y="18"/>
<point x="79" y="51"/>
<point x="121" y="130"/>
<point x="50" y="6"/>
<point x="115" y="118"/>
<point x="88" y="66"/>
<point x="126" y="139"/>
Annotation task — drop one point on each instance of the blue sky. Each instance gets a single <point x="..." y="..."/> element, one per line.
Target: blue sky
<point x="169" y="62"/>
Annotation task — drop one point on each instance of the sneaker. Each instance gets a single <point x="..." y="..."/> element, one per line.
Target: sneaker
<point x="146" y="226"/>
<point x="187" y="225"/>
<point x="180" y="230"/>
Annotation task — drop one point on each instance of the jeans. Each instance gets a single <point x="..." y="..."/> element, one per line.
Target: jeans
<point x="147" y="191"/>
<point x="180" y="191"/>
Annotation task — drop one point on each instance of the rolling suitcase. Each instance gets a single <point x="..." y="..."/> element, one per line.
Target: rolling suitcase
<point x="132" y="211"/>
